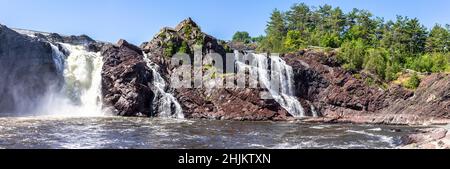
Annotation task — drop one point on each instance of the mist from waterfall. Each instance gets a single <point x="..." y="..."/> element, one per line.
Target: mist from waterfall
<point x="80" y="95"/>
<point x="276" y="76"/>
<point x="165" y="103"/>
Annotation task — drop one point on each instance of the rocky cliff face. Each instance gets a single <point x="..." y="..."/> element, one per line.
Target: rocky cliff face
<point x="216" y="103"/>
<point x="54" y="38"/>
<point x="126" y="80"/>
<point x="321" y="85"/>
<point x="340" y="97"/>
<point x="27" y="71"/>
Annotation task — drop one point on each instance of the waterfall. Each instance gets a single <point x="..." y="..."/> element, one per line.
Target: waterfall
<point x="80" y="94"/>
<point x="165" y="103"/>
<point x="276" y="76"/>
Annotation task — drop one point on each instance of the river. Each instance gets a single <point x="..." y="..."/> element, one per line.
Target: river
<point x="151" y="133"/>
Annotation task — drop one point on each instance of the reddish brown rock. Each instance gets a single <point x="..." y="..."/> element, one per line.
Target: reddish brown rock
<point x="434" y="138"/>
<point x="320" y="83"/>
<point x="340" y="97"/>
<point x="126" y="80"/>
<point x="229" y="104"/>
<point x="217" y="103"/>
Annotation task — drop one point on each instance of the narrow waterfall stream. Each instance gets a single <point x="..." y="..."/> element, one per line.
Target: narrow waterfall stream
<point x="166" y="104"/>
<point x="274" y="75"/>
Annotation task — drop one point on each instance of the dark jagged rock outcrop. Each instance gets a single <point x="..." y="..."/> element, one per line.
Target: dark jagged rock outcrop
<point x="54" y="38"/>
<point x="184" y="38"/>
<point x="340" y="97"/>
<point x="216" y="103"/>
<point x="27" y="71"/>
<point x="126" y="80"/>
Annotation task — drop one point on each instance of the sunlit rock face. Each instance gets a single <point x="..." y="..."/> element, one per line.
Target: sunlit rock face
<point x="127" y="86"/>
<point x="337" y="95"/>
<point x="215" y="103"/>
<point x="27" y="71"/>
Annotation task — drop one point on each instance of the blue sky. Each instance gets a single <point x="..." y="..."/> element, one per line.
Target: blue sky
<point x="139" y="20"/>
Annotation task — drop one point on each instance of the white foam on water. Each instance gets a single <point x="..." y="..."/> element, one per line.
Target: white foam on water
<point x="320" y="127"/>
<point x="375" y="129"/>
<point x="80" y="95"/>
<point x="386" y="139"/>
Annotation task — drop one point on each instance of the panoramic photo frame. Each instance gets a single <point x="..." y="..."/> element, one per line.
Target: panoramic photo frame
<point x="244" y="84"/>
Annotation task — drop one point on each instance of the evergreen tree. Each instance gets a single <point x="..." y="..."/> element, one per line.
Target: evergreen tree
<point x="360" y="25"/>
<point x="439" y="39"/>
<point x="352" y="55"/>
<point x="376" y="62"/>
<point x="403" y="43"/>
<point x="299" y="18"/>
<point x="417" y="36"/>
<point x="243" y="37"/>
<point x="276" y="31"/>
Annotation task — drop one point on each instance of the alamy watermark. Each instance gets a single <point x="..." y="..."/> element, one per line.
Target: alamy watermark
<point x="235" y="70"/>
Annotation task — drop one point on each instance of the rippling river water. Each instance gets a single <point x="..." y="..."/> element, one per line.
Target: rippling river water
<point x="144" y="133"/>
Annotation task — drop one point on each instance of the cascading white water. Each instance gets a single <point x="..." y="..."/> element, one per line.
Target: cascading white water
<point x="81" y="92"/>
<point x="168" y="106"/>
<point x="278" y="80"/>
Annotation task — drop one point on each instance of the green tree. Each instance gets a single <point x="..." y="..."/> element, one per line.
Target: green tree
<point x="258" y="39"/>
<point x="243" y="37"/>
<point x="330" y="40"/>
<point x="404" y="39"/>
<point x="299" y="17"/>
<point x="392" y="69"/>
<point x="276" y="31"/>
<point x="398" y="44"/>
<point x="361" y="25"/>
<point x="294" y="41"/>
<point x="376" y="62"/>
<point x="352" y="54"/>
<point x="434" y="62"/>
<point x="330" y="24"/>
<point x="417" y="36"/>
<point x="439" y="40"/>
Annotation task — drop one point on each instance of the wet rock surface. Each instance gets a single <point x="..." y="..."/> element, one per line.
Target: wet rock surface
<point x="27" y="72"/>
